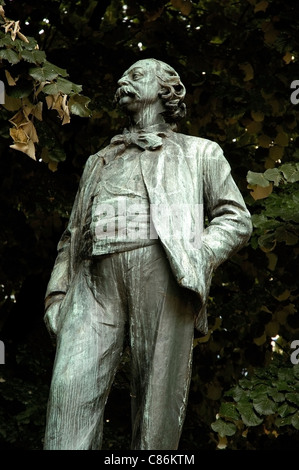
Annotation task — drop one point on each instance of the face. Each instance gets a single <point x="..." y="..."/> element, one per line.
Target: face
<point x="138" y="87"/>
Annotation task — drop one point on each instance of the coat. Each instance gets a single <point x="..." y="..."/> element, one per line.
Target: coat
<point x="185" y="170"/>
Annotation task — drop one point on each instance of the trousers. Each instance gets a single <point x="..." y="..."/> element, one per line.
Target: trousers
<point x="134" y="290"/>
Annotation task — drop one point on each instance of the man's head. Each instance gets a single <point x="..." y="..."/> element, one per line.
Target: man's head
<point x="151" y="81"/>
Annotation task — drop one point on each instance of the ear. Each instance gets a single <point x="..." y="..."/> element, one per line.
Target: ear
<point x="164" y="93"/>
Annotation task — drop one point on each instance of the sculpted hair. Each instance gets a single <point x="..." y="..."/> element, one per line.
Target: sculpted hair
<point x="172" y="92"/>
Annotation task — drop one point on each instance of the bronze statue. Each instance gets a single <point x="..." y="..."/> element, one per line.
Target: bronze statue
<point x="137" y="258"/>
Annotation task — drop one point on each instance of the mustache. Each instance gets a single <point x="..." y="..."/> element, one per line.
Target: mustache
<point x="123" y="91"/>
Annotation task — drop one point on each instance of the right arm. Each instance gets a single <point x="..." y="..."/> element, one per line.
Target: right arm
<point x="67" y="251"/>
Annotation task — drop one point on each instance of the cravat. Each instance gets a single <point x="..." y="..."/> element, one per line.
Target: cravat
<point x="143" y="140"/>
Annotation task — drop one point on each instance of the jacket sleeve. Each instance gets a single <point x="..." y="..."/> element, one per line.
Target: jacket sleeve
<point x="67" y="248"/>
<point x="230" y="224"/>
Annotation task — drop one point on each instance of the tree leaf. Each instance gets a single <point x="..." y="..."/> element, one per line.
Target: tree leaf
<point x="273" y="174"/>
<point x="295" y="420"/>
<point x="293" y="397"/>
<point x="248" y="415"/>
<point x="35" y="56"/>
<point x="259" y="179"/>
<point x="78" y="105"/>
<point x="290" y="172"/>
<point x="285" y="410"/>
<point x="264" y="405"/>
<point x="275" y="395"/>
<point x="10" y="55"/>
<point x="62" y="85"/>
<point x="21" y="91"/>
<point x="223" y="428"/>
<point x="283" y="421"/>
<point x="228" y="410"/>
<point x="44" y="73"/>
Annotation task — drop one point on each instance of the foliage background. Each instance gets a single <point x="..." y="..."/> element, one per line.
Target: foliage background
<point x="237" y="60"/>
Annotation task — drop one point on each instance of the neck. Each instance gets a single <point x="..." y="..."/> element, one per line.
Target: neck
<point x="147" y="117"/>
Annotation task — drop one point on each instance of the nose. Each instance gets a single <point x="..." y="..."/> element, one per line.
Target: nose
<point x="123" y="81"/>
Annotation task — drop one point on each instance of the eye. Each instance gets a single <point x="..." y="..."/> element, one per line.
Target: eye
<point x="136" y="75"/>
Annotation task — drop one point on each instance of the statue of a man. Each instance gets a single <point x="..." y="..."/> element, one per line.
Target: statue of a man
<point x="137" y="258"/>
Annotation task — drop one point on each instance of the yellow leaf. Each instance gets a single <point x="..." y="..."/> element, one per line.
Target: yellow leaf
<point x="282" y="139"/>
<point x="260" y="340"/>
<point x="65" y="110"/>
<point x="204" y="339"/>
<point x="270" y="33"/>
<point x="45" y="154"/>
<point x="254" y="127"/>
<point x="272" y="261"/>
<point x="37" y="111"/>
<point x="18" y="135"/>
<point x="27" y="148"/>
<point x="260" y="192"/>
<point x="185" y="6"/>
<point x="284" y="296"/>
<point x="52" y="165"/>
<point x="275" y="104"/>
<point x="269" y="163"/>
<point x="21" y="36"/>
<point x="264" y="308"/>
<point x="59" y="103"/>
<point x="272" y="328"/>
<point x="282" y="316"/>
<point x="214" y="391"/>
<point x="12" y="104"/>
<point x="268" y="248"/>
<point x="19" y="119"/>
<point x="41" y="86"/>
<point x="288" y="57"/>
<point x="50" y="101"/>
<point x="27" y="109"/>
<point x="30" y="130"/>
<point x="261" y="6"/>
<point x="276" y="153"/>
<point x="150" y="16"/>
<point x="11" y="81"/>
<point x="248" y="71"/>
<point x="257" y="116"/>
<point x="264" y="141"/>
<point x="222" y="443"/>
<point x="14" y="29"/>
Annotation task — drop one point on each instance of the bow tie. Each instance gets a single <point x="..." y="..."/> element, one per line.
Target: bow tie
<point x="144" y="140"/>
